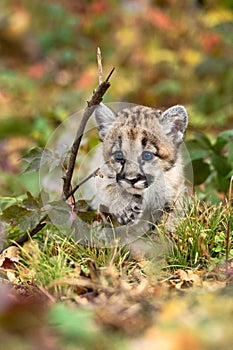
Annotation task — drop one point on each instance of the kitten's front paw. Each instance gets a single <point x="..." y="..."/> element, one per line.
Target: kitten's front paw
<point x="129" y="214"/>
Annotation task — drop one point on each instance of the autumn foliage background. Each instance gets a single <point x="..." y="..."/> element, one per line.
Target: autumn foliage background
<point x="165" y="52"/>
<point x="56" y="293"/>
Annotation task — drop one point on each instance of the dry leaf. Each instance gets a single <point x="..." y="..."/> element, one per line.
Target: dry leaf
<point x="9" y="257"/>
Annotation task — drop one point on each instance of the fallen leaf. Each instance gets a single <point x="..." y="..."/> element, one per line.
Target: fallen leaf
<point x="187" y="279"/>
<point x="9" y="256"/>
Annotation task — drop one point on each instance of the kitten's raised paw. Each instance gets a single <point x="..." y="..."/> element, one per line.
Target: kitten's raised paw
<point x="129" y="215"/>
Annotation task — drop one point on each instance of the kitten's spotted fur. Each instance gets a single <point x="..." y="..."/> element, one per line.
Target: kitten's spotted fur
<point x="141" y="162"/>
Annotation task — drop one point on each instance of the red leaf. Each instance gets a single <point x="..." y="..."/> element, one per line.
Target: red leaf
<point x="160" y="19"/>
<point x="86" y="78"/>
<point x="37" y="71"/>
<point x="210" y="41"/>
<point x="98" y="7"/>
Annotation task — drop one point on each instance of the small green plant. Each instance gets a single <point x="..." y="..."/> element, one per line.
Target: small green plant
<point x="201" y="237"/>
<point x="212" y="163"/>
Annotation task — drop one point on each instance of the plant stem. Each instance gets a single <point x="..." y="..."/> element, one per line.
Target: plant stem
<point x="91" y="106"/>
<point x="82" y="182"/>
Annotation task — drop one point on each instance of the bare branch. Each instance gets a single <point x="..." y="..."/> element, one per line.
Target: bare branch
<point x="91" y="106"/>
<point x="110" y="74"/>
<point x="82" y="183"/>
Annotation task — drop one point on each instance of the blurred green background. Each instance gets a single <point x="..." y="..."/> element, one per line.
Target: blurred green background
<point x="165" y="52"/>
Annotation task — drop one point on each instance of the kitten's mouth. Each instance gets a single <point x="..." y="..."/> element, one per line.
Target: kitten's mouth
<point x="132" y="186"/>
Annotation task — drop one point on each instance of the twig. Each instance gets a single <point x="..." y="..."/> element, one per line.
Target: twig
<point x="91" y="106"/>
<point x="82" y="182"/>
<point x="100" y="68"/>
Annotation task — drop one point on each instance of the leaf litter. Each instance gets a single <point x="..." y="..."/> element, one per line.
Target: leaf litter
<point x="170" y="312"/>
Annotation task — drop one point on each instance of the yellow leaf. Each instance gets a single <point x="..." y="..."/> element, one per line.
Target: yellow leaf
<point x="174" y="310"/>
<point x="16" y="24"/>
<point x="214" y="17"/>
<point x="191" y="57"/>
<point x="127" y="37"/>
<point x="125" y="84"/>
<point x="155" y="55"/>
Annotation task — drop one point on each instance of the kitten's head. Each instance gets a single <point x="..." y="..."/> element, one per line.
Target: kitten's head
<point x="140" y="143"/>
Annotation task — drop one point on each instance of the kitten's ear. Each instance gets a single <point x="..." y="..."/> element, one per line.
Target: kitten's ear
<point x="104" y="117"/>
<point x="175" y="121"/>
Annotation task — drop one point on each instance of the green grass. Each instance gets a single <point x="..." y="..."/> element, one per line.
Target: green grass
<point x="201" y="236"/>
<point x="200" y="242"/>
<point x="101" y="298"/>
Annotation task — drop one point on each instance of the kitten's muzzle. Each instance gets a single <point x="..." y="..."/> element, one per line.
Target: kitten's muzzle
<point x="138" y="182"/>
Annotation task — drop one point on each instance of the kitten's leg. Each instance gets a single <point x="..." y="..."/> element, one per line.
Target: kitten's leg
<point x="125" y="207"/>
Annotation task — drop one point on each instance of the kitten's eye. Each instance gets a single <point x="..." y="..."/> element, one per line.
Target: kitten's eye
<point x="118" y="155"/>
<point x="146" y="155"/>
